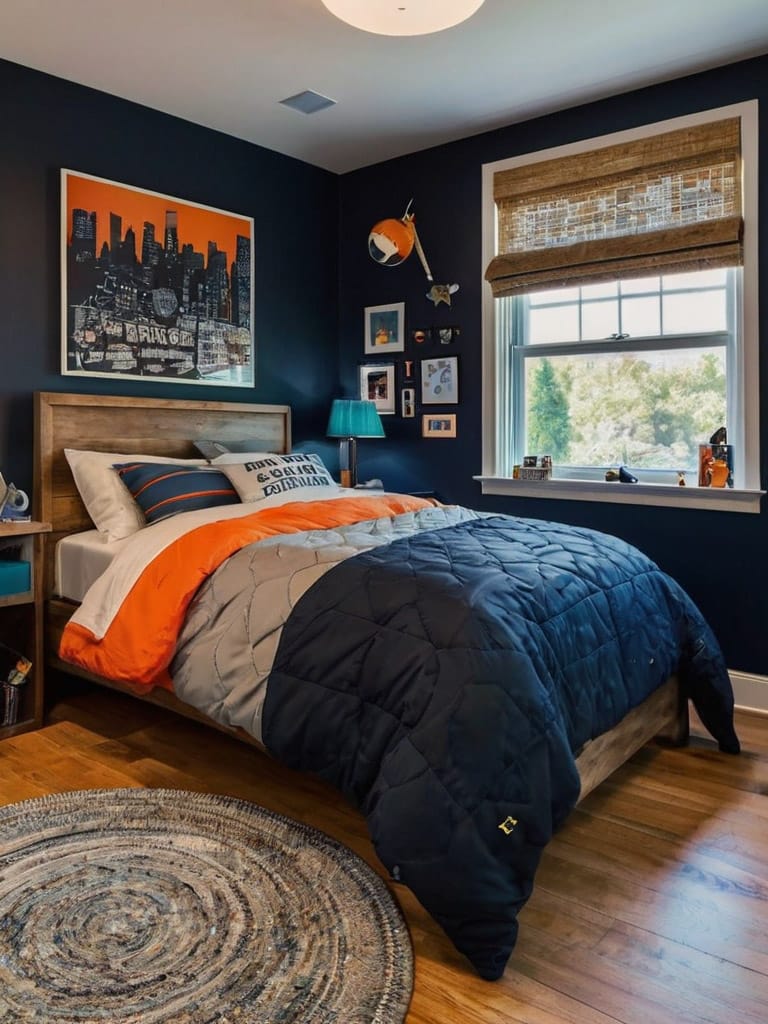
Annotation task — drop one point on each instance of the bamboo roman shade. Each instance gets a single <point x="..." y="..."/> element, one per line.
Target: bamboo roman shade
<point x="668" y="203"/>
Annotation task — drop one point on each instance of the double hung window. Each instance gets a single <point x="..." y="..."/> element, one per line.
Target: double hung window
<point x="616" y="328"/>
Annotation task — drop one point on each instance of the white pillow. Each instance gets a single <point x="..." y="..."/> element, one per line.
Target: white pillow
<point x="109" y="503"/>
<point x="259" y="475"/>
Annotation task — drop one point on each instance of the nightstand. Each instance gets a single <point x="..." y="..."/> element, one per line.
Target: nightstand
<point x="21" y="624"/>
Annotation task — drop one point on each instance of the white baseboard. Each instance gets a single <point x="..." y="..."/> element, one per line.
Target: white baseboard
<point x="750" y="691"/>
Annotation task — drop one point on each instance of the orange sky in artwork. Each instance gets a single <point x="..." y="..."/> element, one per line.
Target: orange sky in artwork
<point x="195" y="224"/>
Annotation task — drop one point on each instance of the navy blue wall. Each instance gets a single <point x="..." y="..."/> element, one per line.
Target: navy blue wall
<point x="49" y="124"/>
<point x="721" y="558"/>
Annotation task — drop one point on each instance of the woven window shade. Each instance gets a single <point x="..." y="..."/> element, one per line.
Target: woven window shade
<point x="663" y="204"/>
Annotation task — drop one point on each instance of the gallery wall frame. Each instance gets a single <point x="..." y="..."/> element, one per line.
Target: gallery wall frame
<point x="153" y="286"/>
<point x="438" y="424"/>
<point x="384" y="329"/>
<point x="377" y="385"/>
<point x="440" y="381"/>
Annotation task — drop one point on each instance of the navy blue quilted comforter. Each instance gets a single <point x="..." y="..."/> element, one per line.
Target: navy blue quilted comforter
<point x="446" y="682"/>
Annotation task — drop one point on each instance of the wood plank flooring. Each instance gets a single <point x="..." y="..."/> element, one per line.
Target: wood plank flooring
<point x="650" y="906"/>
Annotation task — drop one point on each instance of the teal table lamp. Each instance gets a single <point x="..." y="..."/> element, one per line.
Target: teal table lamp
<point x="349" y="420"/>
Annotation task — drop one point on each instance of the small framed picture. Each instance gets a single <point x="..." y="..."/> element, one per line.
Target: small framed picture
<point x="440" y="381"/>
<point x="385" y="329"/>
<point x="377" y="384"/>
<point x="438" y="425"/>
<point x="447" y="335"/>
<point x="408" y="403"/>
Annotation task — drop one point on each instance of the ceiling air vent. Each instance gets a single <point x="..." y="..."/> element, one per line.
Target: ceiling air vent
<point x="308" y="102"/>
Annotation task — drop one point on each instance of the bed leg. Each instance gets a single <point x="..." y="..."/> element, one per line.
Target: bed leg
<point x="677" y="731"/>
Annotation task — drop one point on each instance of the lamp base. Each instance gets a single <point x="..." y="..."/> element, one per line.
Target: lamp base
<point x="348" y="461"/>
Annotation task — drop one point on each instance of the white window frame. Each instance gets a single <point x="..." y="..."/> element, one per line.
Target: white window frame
<point x="743" y="380"/>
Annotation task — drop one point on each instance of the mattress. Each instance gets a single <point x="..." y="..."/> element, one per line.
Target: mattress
<point x="80" y="559"/>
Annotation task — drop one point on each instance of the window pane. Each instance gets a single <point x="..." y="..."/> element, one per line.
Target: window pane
<point x="604" y="290"/>
<point x="554" y="295"/>
<point x="558" y="323"/>
<point x="599" y="319"/>
<point x="696" y="279"/>
<point x="690" y="312"/>
<point x="644" y="410"/>
<point x="641" y="318"/>
<point x="640" y="284"/>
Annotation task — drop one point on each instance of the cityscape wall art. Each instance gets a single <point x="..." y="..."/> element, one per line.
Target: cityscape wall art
<point x="154" y="287"/>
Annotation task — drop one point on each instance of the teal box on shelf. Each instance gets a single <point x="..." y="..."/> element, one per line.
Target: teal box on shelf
<point x="15" y="578"/>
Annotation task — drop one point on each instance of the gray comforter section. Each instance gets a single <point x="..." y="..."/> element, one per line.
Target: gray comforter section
<point x="227" y="646"/>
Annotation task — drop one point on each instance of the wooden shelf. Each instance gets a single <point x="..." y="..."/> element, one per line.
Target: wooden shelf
<point x="21" y="625"/>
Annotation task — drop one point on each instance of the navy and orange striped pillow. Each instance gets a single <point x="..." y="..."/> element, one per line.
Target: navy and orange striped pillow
<point x="163" y="489"/>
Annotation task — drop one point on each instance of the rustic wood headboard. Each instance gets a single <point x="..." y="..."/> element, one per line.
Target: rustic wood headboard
<point x="155" y="426"/>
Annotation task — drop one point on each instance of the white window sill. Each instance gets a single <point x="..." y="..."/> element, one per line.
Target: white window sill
<point x="720" y="499"/>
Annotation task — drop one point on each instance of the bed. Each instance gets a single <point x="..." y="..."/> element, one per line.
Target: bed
<point x="333" y="698"/>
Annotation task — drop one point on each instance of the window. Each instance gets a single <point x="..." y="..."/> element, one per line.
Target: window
<point x="622" y="373"/>
<point x="621" y="327"/>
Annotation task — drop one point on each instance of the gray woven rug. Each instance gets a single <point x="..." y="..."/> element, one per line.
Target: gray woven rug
<point x="145" y="906"/>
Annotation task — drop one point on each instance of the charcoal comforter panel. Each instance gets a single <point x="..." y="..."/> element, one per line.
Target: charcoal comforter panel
<point x="446" y="681"/>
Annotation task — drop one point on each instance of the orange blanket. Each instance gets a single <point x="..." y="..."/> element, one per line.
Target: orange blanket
<point x="139" y="643"/>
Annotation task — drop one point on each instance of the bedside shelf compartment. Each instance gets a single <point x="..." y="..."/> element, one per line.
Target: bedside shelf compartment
<point x="16" y="561"/>
<point x="21" y="615"/>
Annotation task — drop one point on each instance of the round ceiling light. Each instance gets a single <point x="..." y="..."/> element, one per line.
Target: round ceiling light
<point x="403" y="17"/>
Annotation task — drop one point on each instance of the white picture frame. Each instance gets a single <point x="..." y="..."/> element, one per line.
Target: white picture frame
<point x="377" y="385"/>
<point x="385" y="329"/>
<point x="440" y="381"/>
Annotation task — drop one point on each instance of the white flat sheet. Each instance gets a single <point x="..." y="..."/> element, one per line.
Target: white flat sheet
<point x="80" y="559"/>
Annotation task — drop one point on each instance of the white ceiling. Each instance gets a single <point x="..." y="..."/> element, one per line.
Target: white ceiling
<point x="226" y="64"/>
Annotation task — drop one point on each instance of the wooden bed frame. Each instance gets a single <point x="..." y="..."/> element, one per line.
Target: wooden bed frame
<point x="169" y="427"/>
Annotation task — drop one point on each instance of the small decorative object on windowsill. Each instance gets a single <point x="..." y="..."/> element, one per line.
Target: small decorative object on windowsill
<point x="534" y="467"/>
<point x="349" y="420"/>
<point x="716" y="461"/>
<point x="621" y="474"/>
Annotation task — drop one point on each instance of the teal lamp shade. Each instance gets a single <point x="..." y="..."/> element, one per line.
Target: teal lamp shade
<point x="349" y="420"/>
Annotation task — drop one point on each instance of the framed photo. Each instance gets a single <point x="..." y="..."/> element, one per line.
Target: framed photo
<point x="438" y="425"/>
<point x="377" y="384"/>
<point x="448" y="335"/>
<point x="440" y="381"/>
<point x="154" y="287"/>
<point x="408" y="403"/>
<point x="384" y="329"/>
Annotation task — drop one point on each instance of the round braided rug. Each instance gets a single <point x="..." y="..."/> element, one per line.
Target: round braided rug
<point x="143" y="906"/>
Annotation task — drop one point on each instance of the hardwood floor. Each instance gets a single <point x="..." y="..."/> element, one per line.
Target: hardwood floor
<point x="650" y="907"/>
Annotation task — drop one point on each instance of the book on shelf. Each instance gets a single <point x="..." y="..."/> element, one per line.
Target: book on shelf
<point x="14" y="670"/>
